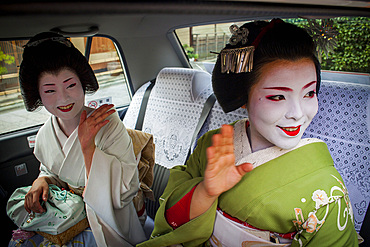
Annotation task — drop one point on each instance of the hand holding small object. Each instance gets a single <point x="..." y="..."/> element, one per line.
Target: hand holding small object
<point x="39" y="189"/>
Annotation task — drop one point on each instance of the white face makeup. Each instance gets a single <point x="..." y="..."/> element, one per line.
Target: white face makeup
<point x="62" y="95"/>
<point x="282" y="104"/>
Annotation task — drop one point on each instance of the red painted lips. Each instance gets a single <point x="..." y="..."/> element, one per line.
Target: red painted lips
<point x="291" y="131"/>
<point x="66" y="108"/>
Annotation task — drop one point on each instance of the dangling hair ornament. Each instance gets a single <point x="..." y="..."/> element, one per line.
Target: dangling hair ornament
<point x="237" y="60"/>
<point x="240" y="60"/>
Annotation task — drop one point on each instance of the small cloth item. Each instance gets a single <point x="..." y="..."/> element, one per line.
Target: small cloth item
<point x="64" y="218"/>
<point x="144" y="150"/>
<point x="21" y="234"/>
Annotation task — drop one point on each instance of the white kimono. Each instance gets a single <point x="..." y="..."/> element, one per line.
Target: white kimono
<point x="112" y="183"/>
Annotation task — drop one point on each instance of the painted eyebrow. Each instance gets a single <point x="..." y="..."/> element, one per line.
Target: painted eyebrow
<point x="53" y="84"/>
<point x="287" y="89"/>
<point x="309" y="84"/>
<point x="67" y="80"/>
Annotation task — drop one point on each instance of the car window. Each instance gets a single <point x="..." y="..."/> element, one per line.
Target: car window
<point x="103" y="58"/>
<point x="344" y="43"/>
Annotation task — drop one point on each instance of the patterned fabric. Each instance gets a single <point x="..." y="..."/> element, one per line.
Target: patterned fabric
<point x="343" y="123"/>
<point x="218" y="117"/>
<point x="173" y="110"/>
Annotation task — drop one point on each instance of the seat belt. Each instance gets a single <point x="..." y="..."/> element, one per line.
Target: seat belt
<point x="144" y="103"/>
<point x="208" y="105"/>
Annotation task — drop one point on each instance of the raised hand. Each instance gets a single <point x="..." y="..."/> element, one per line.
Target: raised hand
<point x="89" y="127"/>
<point x="221" y="174"/>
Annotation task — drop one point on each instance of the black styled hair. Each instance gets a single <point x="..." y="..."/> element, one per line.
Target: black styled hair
<point x="50" y="52"/>
<point x="282" y="40"/>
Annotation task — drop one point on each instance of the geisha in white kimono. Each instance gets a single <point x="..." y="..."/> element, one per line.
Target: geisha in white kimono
<point x="112" y="183"/>
<point x="86" y="150"/>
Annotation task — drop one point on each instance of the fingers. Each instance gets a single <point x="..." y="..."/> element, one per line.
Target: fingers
<point x="83" y="116"/>
<point x="102" y="112"/>
<point x="45" y="195"/>
<point x="216" y="144"/>
<point x="221" y="153"/>
<point x="244" y="168"/>
<point x="223" y="142"/>
<point x="32" y="203"/>
<point x="227" y="132"/>
<point x="39" y="189"/>
<point x="27" y="207"/>
<point x="98" y="118"/>
<point x="211" y="157"/>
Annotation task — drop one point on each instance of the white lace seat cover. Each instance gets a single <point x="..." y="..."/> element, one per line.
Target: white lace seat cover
<point x="173" y="111"/>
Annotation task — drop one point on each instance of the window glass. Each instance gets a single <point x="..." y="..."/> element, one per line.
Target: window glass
<point x="347" y="42"/>
<point x="104" y="59"/>
<point x="201" y="43"/>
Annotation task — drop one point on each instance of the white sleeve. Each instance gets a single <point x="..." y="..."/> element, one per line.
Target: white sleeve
<point x="113" y="180"/>
<point x="54" y="179"/>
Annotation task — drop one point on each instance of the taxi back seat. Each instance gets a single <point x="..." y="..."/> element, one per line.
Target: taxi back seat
<point x="342" y="122"/>
<point x="173" y="109"/>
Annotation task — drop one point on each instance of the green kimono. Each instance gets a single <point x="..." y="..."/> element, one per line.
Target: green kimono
<point x="295" y="190"/>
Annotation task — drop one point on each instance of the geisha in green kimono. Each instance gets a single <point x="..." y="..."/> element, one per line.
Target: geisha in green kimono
<point x="255" y="182"/>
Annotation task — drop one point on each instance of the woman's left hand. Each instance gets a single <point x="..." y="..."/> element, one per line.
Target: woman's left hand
<point x="89" y="127"/>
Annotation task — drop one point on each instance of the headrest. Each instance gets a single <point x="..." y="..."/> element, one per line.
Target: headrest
<point x="182" y="84"/>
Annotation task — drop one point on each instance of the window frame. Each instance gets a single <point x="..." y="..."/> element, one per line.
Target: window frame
<point x="28" y="130"/>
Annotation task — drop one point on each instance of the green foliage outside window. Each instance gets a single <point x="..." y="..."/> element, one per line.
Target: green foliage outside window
<point x="352" y="52"/>
<point x="190" y="52"/>
<point x="8" y="59"/>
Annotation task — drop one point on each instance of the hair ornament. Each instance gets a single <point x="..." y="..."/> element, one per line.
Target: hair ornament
<point x="237" y="60"/>
<point x="61" y="40"/>
<point x="240" y="60"/>
<point x="324" y="34"/>
<point x="238" y="35"/>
